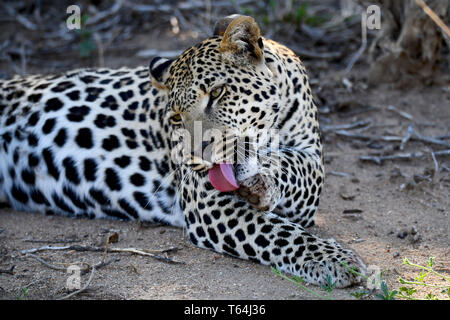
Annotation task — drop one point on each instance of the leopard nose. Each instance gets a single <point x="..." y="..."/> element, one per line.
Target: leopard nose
<point x="245" y="171"/>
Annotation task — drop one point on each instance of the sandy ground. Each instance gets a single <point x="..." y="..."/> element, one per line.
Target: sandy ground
<point x="392" y="199"/>
<point x="387" y="210"/>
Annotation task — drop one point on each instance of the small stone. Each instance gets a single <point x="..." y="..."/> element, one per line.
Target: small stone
<point x="347" y="196"/>
<point x="402" y="234"/>
<point x="113" y="238"/>
<point x="397" y="254"/>
<point x="416" y="238"/>
<point x="352" y="211"/>
<point x="355" y="180"/>
<point x="374" y="145"/>
<point x="353" y="216"/>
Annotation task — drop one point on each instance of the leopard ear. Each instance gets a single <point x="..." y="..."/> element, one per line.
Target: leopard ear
<point x="241" y="40"/>
<point x="221" y="26"/>
<point x="159" y="71"/>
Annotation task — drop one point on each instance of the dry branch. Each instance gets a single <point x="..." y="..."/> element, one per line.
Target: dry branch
<point x="407" y="137"/>
<point x="354" y="125"/>
<point x="340" y="174"/>
<point x="401" y="113"/>
<point x="353" y="135"/>
<point x="20" y="18"/>
<point x="413" y="135"/>
<point x="51" y="241"/>
<point x="48" y="264"/>
<point x="360" y="51"/>
<point x="104" y="14"/>
<point x="421" y="138"/>
<point x="102" y="249"/>
<point x="402" y="156"/>
<point x="304" y="53"/>
<point x="434" y="17"/>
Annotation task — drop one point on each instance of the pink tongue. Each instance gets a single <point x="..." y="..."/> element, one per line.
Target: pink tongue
<point x="222" y="177"/>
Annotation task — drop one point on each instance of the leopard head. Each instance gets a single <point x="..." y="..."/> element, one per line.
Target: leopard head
<point x="222" y="90"/>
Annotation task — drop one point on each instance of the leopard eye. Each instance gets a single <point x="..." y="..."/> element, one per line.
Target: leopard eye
<point x="176" y="119"/>
<point x="217" y="92"/>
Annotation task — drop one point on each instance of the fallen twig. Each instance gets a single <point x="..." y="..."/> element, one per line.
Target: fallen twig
<point x="436" y="167"/>
<point x="354" y="125"/>
<point x="353" y="135"/>
<point x="145" y="253"/>
<point x="402" y="156"/>
<point x="401" y="113"/>
<point x="102" y="249"/>
<point x="408" y="136"/>
<point x="63" y="266"/>
<point x="417" y="136"/>
<point x="104" y="14"/>
<point x="304" y="53"/>
<point x="357" y="111"/>
<point x="443" y="137"/>
<point x="362" y="48"/>
<point x="340" y="174"/>
<point x="51" y="241"/>
<point x="414" y="136"/>
<point x="434" y="17"/>
<point x="48" y="264"/>
<point x="8" y="271"/>
<point x="20" y="18"/>
<point x="442" y="153"/>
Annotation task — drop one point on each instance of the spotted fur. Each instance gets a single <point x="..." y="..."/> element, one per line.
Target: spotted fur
<point x="98" y="143"/>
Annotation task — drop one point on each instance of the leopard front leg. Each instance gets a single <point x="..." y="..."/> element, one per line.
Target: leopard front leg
<point x="226" y="224"/>
<point x="289" y="184"/>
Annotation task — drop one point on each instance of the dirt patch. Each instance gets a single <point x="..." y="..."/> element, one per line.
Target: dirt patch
<point x="385" y="212"/>
<point x="380" y="230"/>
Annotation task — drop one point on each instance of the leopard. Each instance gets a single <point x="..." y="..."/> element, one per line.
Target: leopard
<point x="111" y="143"/>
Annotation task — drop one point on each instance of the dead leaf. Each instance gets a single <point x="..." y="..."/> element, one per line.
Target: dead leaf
<point x="113" y="238"/>
<point x="347" y="196"/>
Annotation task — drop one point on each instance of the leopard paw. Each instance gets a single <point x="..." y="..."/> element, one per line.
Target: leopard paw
<point x="343" y="270"/>
<point x="259" y="191"/>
